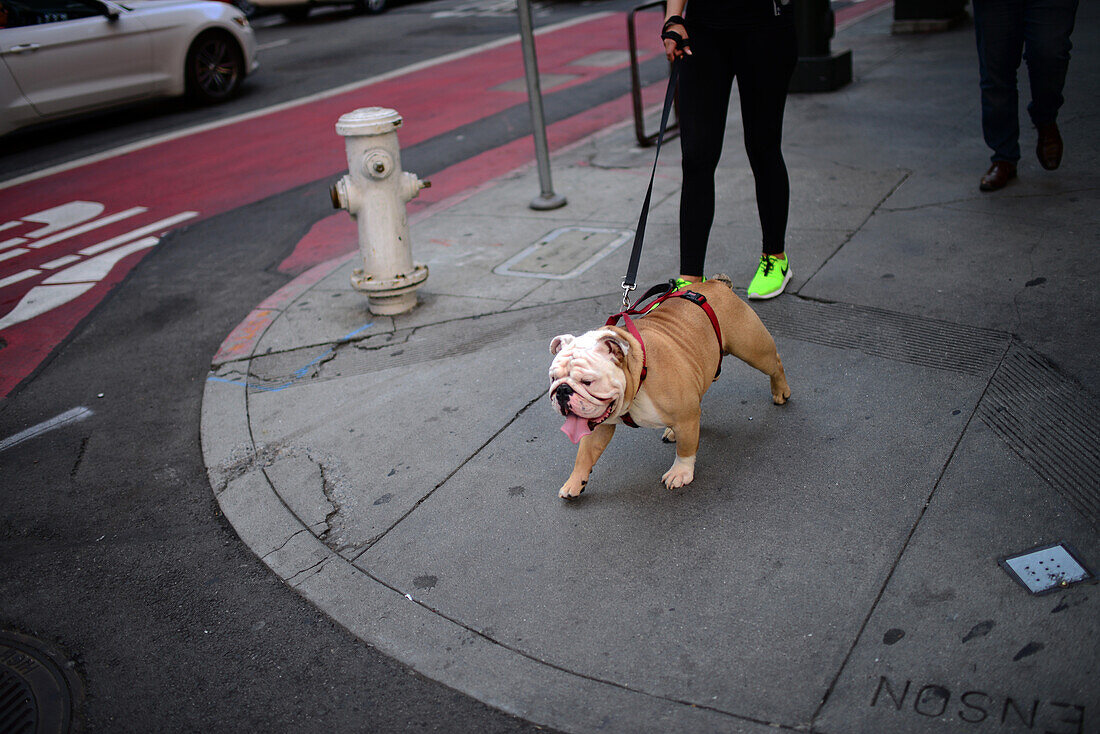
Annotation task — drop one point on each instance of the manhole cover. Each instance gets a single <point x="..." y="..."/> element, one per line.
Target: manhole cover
<point x="565" y="253"/>
<point x="37" y="690"/>
<point x="1047" y="568"/>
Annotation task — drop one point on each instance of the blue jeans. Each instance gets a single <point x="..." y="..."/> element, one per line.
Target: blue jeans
<point x="1006" y="30"/>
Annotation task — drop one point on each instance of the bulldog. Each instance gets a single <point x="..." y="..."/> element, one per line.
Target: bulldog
<point x="607" y="376"/>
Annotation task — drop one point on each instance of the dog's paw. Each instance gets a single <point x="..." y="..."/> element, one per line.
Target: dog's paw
<point x="571" y="489"/>
<point x="681" y="473"/>
<point x="669" y="436"/>
<point x="780" y="398"/>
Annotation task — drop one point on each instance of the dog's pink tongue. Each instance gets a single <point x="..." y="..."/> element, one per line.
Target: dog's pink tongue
<point x="576" y="427"/>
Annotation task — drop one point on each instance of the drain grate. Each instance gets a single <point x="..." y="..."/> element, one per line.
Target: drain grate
<point x="1047" y="568"/>
<point x="37" y="693"/>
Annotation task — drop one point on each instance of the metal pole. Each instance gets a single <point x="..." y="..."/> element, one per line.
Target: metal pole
<point x="547" y="199"/>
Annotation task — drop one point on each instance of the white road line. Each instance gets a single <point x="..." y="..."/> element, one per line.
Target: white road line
<point x="13" y="279"/>
<point x="13" y="253"/>
<point x="60" y="262"/>
<point x="69" y="416"/>
<point x="9" y="225"/>
<point x="109" y="219"/>
<point x="148" y="229"/>
<point x="273" y="44"/>
<point x="446" y="58"/>
<point x="12" y="242"/>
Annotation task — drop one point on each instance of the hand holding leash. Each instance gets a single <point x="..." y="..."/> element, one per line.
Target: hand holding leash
<point x="674" y="34"/>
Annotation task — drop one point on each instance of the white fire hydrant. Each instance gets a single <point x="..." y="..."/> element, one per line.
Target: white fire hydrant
<point x="374" y="192"/>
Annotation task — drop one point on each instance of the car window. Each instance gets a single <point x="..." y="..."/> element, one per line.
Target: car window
<point x="36" y="12"/>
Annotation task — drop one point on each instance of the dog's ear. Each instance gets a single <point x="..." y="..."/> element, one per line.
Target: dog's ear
<point x="618" y="348"/>
<point x="560" y="342"/>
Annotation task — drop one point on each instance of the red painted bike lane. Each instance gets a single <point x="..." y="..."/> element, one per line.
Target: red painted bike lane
<point x="67" y="238"/>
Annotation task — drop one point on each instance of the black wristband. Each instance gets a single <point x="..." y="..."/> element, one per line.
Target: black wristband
<point x="673" y="20"/>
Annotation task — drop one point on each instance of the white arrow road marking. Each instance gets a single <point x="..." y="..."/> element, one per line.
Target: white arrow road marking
<point x="69" y="283"/>
<point x="70" y="416"/>
<point x="41" y="299"/>
<point x="60" y="217"/>
<point x="96" y="268"/>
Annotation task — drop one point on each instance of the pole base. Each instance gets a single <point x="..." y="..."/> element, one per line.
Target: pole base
<point x="391" y="305"/>
<point x="544" y="202"/>
<point x="822" y="73"/>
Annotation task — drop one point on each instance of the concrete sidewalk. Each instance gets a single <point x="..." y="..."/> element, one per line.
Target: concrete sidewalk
<point x="834" y="565"/>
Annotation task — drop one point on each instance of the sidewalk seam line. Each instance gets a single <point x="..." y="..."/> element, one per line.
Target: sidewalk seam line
<point x="908" y="540"/>
<point x="567" y="671"/>
<point x="373" y="541"/>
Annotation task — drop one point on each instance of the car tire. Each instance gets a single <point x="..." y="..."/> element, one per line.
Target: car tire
<point x="372" y="6"/>
<point x="296" y="13"/>
<point x="215" y="68"/>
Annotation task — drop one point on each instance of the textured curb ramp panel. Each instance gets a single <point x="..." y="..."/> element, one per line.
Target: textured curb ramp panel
<point x="1051" y="422"/>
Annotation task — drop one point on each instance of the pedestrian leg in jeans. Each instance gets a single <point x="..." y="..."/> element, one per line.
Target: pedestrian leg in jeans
<point x="1047" y="28"/>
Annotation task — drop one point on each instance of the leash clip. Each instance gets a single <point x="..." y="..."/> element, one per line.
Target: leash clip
<point x="626" y="294"/>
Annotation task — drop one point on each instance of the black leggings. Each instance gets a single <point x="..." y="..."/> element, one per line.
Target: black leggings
<point x="762" y="56"/>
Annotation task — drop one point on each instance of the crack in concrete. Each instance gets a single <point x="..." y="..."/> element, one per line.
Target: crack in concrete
<point x="282" y="545"/>
<point x="377" y="537"/>
<point x="874" y="210"/>
<point x="967" y="199"/>
<point x="315" y="568"/>
<point x="256" y="458"/>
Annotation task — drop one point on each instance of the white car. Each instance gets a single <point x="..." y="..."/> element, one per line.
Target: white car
<point x="297" y="10"/>
<point x="66" y="57"/>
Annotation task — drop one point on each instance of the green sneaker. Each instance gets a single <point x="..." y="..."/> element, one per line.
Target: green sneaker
<point x="771" y="277"/>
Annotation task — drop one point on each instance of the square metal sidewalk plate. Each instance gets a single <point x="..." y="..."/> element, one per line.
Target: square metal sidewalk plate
<point x="1047" y="568"/>
<point x="565" y="253"/>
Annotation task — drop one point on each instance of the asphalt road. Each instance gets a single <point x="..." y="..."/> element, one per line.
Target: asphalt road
<point x="112" y="548"/>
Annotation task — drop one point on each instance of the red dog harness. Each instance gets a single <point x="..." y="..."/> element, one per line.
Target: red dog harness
<point x="697" y="298"/>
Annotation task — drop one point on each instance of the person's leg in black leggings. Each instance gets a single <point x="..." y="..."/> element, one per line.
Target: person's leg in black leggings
<point x="764" y="61"/>
<point x="706" y="79"/>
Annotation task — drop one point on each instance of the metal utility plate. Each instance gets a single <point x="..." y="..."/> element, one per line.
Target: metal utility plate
<point x="1047" y="568"/>
<point x="555" y="254"/>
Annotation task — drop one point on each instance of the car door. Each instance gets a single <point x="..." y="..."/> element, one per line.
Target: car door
<point x="72" y="55"/>
<point x="15" y="110"/>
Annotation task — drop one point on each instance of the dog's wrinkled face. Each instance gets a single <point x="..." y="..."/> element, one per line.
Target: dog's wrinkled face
<point x="587" y="379"/>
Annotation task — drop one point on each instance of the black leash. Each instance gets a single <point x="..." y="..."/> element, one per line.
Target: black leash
<point x="630" y="281"/>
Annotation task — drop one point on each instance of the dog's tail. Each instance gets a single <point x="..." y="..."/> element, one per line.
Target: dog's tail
<point x="722" y="278"/>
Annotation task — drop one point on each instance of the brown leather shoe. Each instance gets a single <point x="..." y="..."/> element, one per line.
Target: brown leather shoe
<point x="1049" y="147"/>
<point x="998" y="175"/>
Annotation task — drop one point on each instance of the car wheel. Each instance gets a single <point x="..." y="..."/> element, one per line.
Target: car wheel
<point x="215" y="68"/>
<point x="296" y="13"/>
<point x="374" y="6"/>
